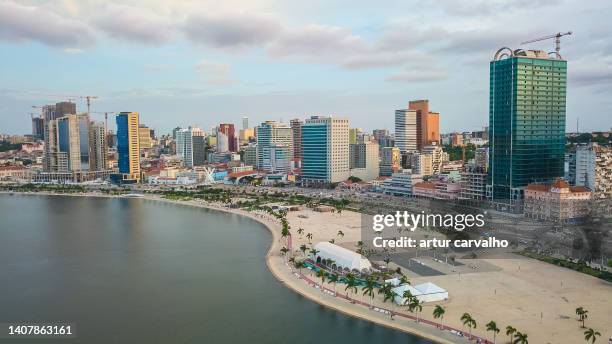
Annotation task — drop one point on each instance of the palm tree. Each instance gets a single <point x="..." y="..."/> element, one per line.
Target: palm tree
<point x="321" y="274"/>
<point x="591" y="335"/>
<point x="387" y="261"/>
<point x="521" y="338"/>
<point x="582" y="314"/>
<point x="309" y="237"/>
<point x="368" y="289"/>
<point x="333" y="278"/>
<point x="492" y="326"/>
<point x="340" y="233"/>
<point x="510" y="331"/>
<point x="468" y="321"/>
<point x="415" y="305"/>
<point x="300" y="231"/>
<point x="299" y="265"/>
<point x="331" y="241"/>
<point x="303" y="248"/>
<point x="404" y="280"/>
<point x="438" y="312"/>
<point x="313" y="252"/>
<point x="351" y="283"/>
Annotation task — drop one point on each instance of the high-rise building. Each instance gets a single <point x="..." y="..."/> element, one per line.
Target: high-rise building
<point x="590" y="165"/>
<point x="406" y="130"/>
<point x="296" y="128"/>
<point x="422" y="164"/>
<point x="428" y="123"/>
<point x="230" y="132"/>
<point x="185" y="144"/>
<point x="391" y="161"/>
<point x="250" y="155"/>
<point x="64" y="108"/>
<point x="272" y="135"/>
<point x="526" y="121"/>
<point x="67" y="144"/>
<point x="199" y="150"/>
<point x="353" y="132"/>
<point x="438" y="156"/>
<point x="97" y="146"/>
<point x="245" y="123"/>
<point x="364" y="160"/>
<point x="48" y="112"/>
<point x="481" y="158"/>
<point x="128" y="145"/>
<point x="38" y="127"/>
<point x="325" y="147"/>
<point x="144" y="135"/>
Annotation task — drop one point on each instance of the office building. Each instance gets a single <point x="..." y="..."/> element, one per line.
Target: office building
<point x="390" y="161"/>
<point x="38" y="128"/>
<point x="64" y="108"/>
<point x="245" y="123"/>
<point x="590" y="165"/>
<point x="228" y="130"/>
<point x="325" y="147"/>
<point x="364" y="160"/>
<point x="271" y="134"/>
<point x="422" y="164"/>
<point x="406" y="130"/>
<point x="67" y="144"/>
<point x="401" y="183"/>
<point x="428" y="123"/>
<point x="145" y="137"/>
<point x="97" y="146"/>
<point x="185" y="144"/>
<point x="438" y="156"/>
<point x="526" y="121"/>
<point x="249" y="156"/>
<point x="474" y="184"/>
<point x="296" y="128"/>
<point x="128" y="146"/>
<point x="199" y="150"/>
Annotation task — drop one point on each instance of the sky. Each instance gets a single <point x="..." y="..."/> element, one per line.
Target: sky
<point x="203" y="62"/>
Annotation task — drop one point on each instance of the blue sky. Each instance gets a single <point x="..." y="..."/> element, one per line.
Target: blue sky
<point x="204" y="62"/>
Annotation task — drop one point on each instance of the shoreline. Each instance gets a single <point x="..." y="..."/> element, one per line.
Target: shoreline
<point x="286" y="276"/>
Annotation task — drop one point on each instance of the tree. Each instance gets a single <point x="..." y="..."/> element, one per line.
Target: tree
<point x="510" y="331"/>
<point x="300" y="231"/>
<point x="314" y="252"/>
<point x="468" y="321"/>
<point x="309" y="237"/>
<point x="340" y="233"/>
<point x="521" y="338"/>
<point x="582" y="314"/>
<point x="415" y="307"/>
<point x="591" y="335"/>
<point x="351" y="283"/>
<point x="321" y="274"/>
<point x="284" y="251"/>
<point x="438" y="312"/>
<point x="333" y="278"/>
<point x="303" y="248"/>
<point x="299" y="265"/>
<point x="492" y="326"/>
<point x="368" y="289"/>
<point x="404" y="280"/>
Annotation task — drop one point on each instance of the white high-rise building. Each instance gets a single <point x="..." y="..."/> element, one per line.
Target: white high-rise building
<point x="271" y="136"/>
<point x="97" y="146"/>
<point x="406" y="130"/>
<point x="364" y="160"/>
<point x="438" y="156"/>
<point x="184" y="144"/>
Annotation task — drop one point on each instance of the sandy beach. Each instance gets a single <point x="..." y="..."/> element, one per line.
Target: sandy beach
<point x="535" y="297"/>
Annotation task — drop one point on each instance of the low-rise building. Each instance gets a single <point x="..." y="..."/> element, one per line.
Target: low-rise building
<point x="557" y="202"/>
<point x="400" y="184"/>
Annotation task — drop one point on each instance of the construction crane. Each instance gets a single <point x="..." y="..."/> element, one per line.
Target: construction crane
<point x="557" y="38"/>
<point x="106" y="117"/>
<point x="88" y="99"/>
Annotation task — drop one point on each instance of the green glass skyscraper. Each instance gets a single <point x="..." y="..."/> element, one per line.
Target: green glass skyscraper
<point x="526" y="120"/>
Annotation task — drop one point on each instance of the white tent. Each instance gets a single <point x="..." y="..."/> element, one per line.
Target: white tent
<point x="426" y="292"/>
<point x="342" y="258"/>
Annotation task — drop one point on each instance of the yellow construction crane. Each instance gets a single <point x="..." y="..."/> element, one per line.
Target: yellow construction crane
<point x="557" y="38"/>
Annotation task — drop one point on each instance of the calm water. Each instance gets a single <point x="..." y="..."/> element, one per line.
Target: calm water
<point x="137" y="271"/>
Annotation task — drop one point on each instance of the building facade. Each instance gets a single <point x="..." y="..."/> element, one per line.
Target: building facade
<point x="557" y="202"/>
<point x="527" y="121"/>
<point x="270" y="136"/>
<point x="128" y="146"/>
<point x="296" y="128"/>
<point x="325" y="147"/>
<point x="406" y="130"/>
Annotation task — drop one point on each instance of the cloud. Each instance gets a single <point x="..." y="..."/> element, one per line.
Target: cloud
<point x="134" y="24"/>
<point x="29" y="23"/>
<point x="214" y="73"/>
<point x="231" y="30"/>
<point x="419" y="75"/>
<point x="591" y="70"/>
<point x="317" y="41"/>
<point x="488" y="7"/>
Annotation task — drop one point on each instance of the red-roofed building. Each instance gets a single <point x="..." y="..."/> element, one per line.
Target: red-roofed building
<point x="558" y="202"/>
